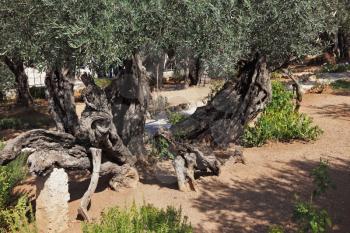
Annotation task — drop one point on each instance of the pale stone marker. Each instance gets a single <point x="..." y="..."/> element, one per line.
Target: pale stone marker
<point x="52" y="202"/>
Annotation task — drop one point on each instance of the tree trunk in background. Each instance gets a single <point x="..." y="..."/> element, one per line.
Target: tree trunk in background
<point x="23" y="95"/>
<point x="129" y="95"/>
<point x="59" y="85"/>
<point x="196" y="70"/>
<point x="223" y="119"/>
<point x="344" y="45"/>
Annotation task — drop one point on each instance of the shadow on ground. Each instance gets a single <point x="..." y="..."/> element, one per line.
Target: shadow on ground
<point x="266" y="201"/>
<point x="338" y="111"/>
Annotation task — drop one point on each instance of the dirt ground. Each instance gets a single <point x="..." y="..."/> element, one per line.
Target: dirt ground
<point x="251" y="197"/>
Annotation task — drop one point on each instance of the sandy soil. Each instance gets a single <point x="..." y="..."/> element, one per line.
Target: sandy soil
<point x="251" y="197"/>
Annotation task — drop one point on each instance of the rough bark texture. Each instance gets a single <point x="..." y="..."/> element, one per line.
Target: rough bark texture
<point x="191" y="161"/>
<point x="23" y="94"/>
<point x="129" y="95"/>
<point x="59" y="85"/>
<point x="97" y="125"/>
<point x="47" y="148"/>
<point x="223" y="119"/>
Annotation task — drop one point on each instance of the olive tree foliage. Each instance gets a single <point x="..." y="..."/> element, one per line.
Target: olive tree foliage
<point x="16" y="32"/>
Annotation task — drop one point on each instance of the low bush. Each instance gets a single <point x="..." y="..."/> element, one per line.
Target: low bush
<point x="18" y="218"/>
<point x="10" y="123"/>
<point x="140" y="220"/>
<point x="37" y="92"/>
<point x="160" y="148"/>
<point x="15" y="211"/>
<point x="2" y="145"/>
<point x="280" y="122"/>
<point x="337" y="68"/>
<point x="103" y="82"/>
<point x="309" y="218"/>
<point x="175" y="117"/>
<point x="341" y="85"/>
<point x="11" y="175"/>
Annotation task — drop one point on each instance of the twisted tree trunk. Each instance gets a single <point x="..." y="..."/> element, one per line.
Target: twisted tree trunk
<point x="23" y="94"/>
<point x="59" y="86"/>
<point x="223" y="119"/>
<point x="129" y="95"/>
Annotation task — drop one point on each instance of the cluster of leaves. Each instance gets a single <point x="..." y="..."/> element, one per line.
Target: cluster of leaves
<point x="280" y="121"/>
<point x="37" y="92"/>
<point x="140" y="220"/>
<point x="160" y="148"/>
<point x="10" y="123"/>
<point x="341" y="85"/>
<point x="309" y="217"/>
<point x="175" y="117"/>
<point x="18" y="218"/>
<point x="335" y="68"/>
<point x="7" y="79"/>
<point x="14" y="209"/>
<point x="103" y="82"/>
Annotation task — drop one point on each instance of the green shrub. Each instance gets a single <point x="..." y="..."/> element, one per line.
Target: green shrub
<point x="37" y="92"/>
<point x="341" y="85"/>
<point x="175" y="117"/>
<point x="19" y="218"/>
<point x="280" y="122"/>
<point x="14" y="210"/>
<point x="276" y="229"/>
<point x="103" y="82"/>
<point x="140" y="220"/>
<point x="11" y="175"/>
<point x="310" y="218"/>
<point x="2" y="145"/>
<point x="337" y="68"/>
<point x="160" y="148"/>
<point x="10" y="123"/>
<point x="321" y="179"/>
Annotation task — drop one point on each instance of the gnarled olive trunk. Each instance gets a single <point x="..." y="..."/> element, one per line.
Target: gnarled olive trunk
<point x="129" y="95"/>
<point x="23" y="95"/>
<point x="59" y="86"/>
<point x="223" y="119"/>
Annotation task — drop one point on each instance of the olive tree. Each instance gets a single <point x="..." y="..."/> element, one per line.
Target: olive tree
<point x="16" y="32"/>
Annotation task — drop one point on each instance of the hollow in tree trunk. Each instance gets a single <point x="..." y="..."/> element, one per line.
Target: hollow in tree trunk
<point x="129" y="95"/>
<point x="59" y="85"/>
<point x="223" y="119"/>
<point x="23" y="95"/>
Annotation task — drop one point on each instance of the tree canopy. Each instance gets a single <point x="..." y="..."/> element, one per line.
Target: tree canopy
<point x="223" y="32"/>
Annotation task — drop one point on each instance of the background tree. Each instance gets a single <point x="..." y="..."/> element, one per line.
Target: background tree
<point x="16" y="31"/>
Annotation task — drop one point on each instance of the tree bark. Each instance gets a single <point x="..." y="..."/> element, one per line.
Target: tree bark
<point x="129" y="96"/>
<point x="23" y="94"/>
<point x="86" y="199"/>
<point x="223" y="119"/>
<point x="59" y="85"/>
<point x="344" y="45"/>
